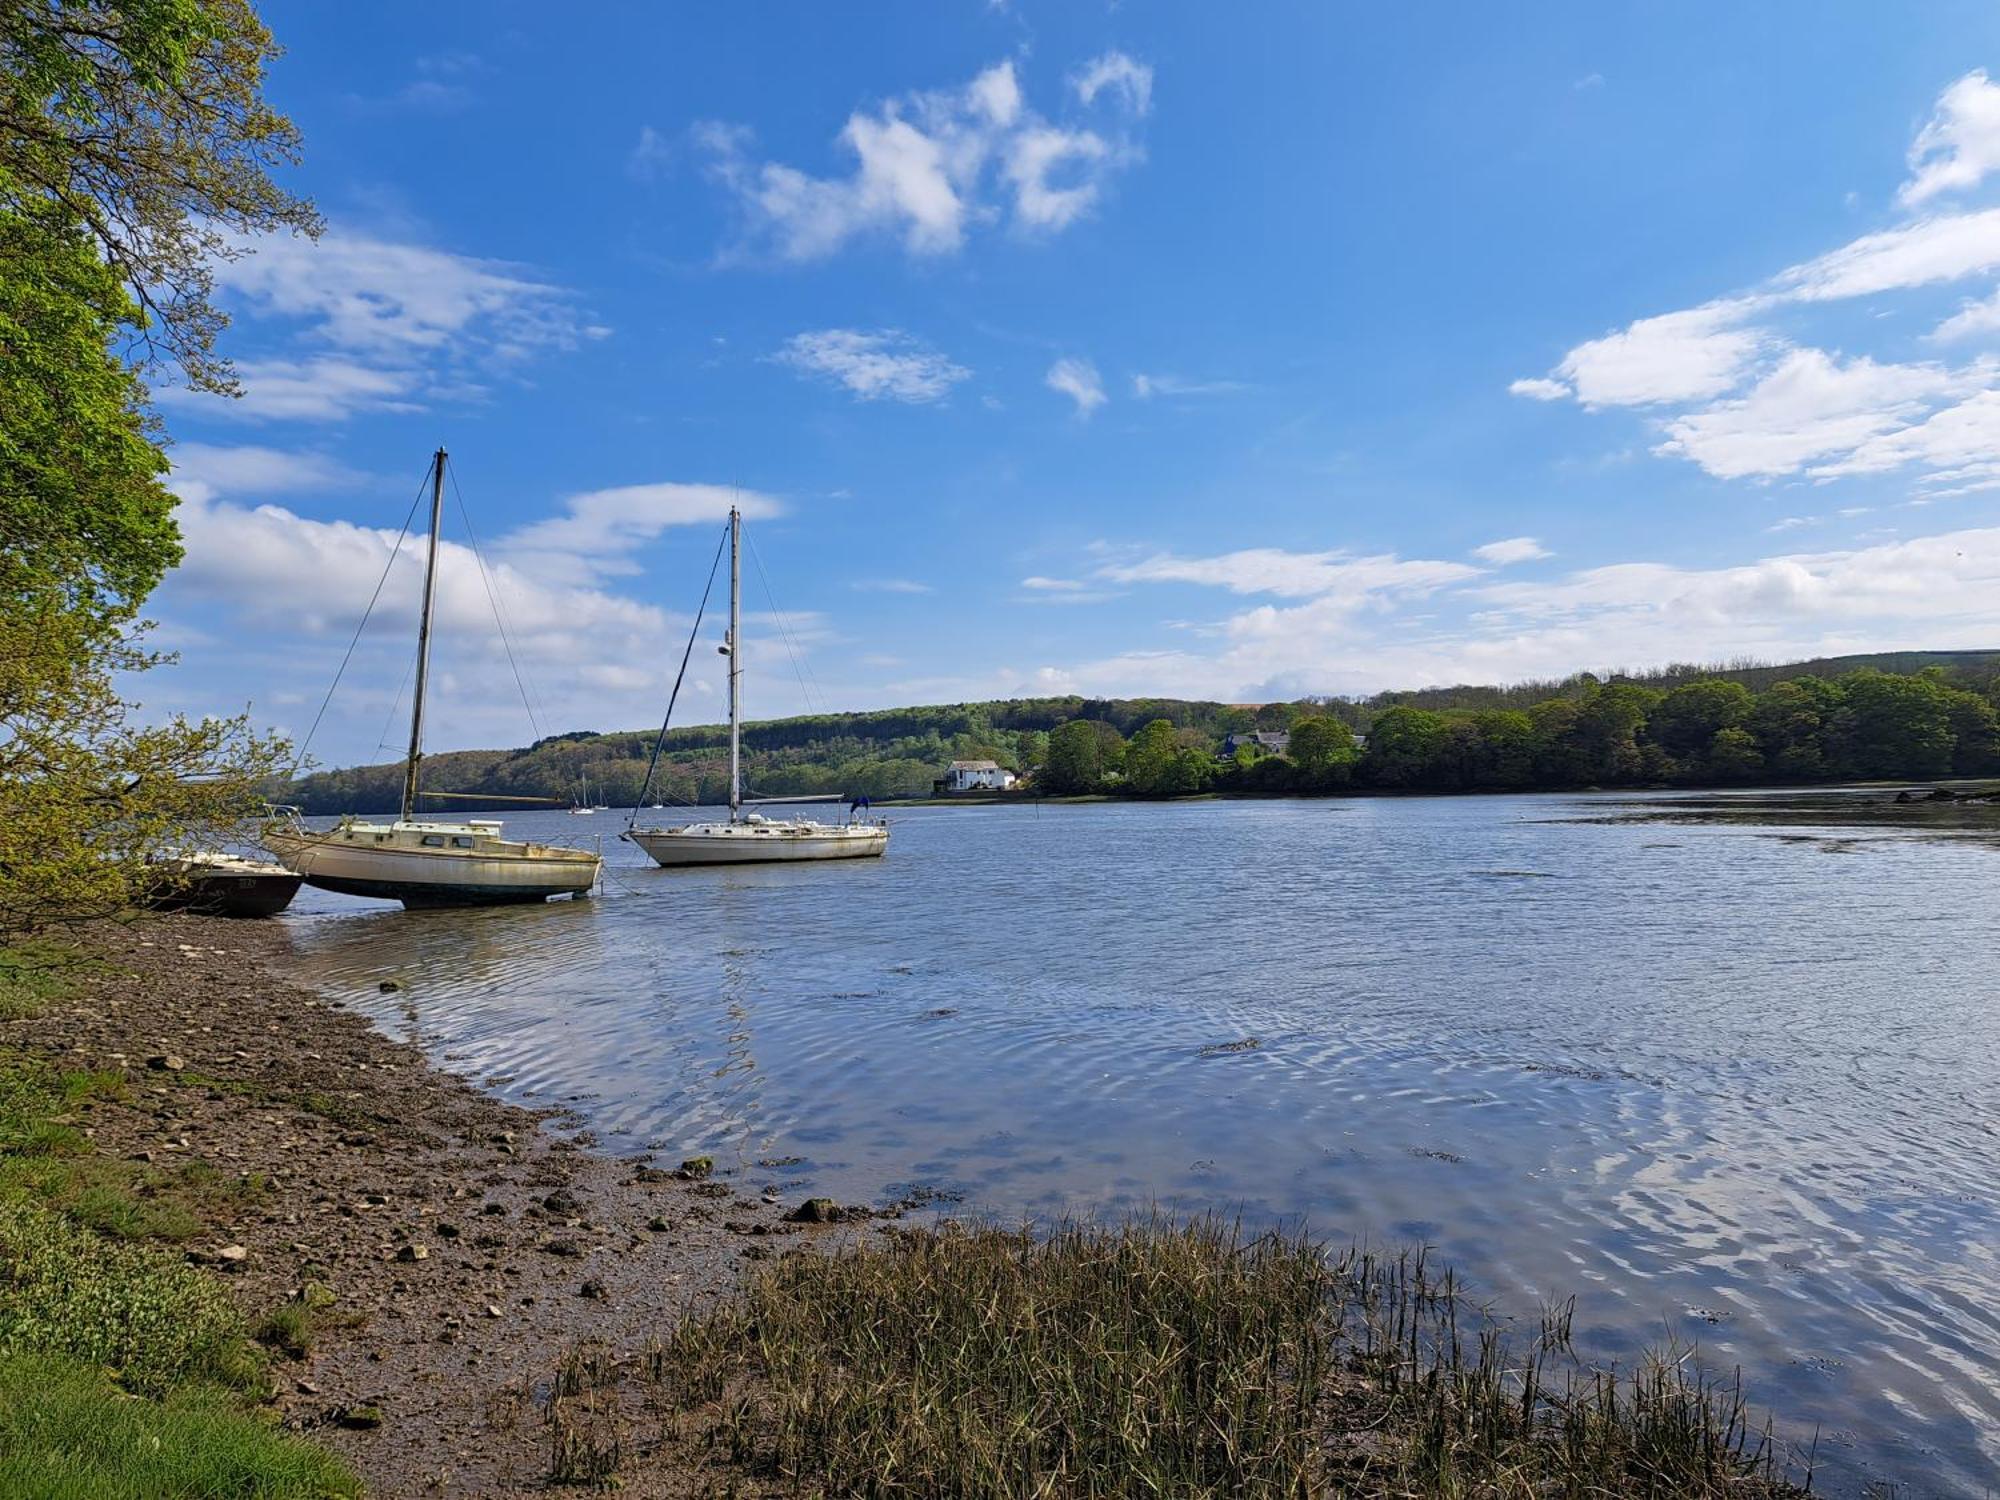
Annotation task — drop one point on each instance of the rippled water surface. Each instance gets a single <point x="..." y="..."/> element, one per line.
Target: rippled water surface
<point x="1736" y="1079"/>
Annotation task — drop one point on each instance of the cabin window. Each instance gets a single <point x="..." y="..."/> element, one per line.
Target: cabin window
<point x="461" y="843"/>
<point x="433" y="841"/>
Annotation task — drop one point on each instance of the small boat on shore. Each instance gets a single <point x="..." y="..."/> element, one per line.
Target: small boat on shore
<point x="428" y="862"/>
<point x="750" y="837"/>
<point x="221" y="885"/>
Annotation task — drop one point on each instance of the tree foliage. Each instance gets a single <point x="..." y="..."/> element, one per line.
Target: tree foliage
<point x="133" y="140"/>
<point x="142" y="124"/>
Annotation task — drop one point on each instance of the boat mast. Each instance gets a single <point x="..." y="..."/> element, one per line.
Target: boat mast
<point x="735" y="662"/>
<point x="424" y="640"/>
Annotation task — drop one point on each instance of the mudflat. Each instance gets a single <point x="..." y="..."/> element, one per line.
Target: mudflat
<point x="454" y="1246"/>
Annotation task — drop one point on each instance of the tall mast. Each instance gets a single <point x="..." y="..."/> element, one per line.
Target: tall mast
<point x="735" y="661"/>
<point x="424" y="640"/>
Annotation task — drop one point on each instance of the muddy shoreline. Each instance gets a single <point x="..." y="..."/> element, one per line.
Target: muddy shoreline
<point x="466" y="1242"/>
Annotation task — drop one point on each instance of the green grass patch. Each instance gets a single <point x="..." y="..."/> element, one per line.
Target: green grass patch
<point x="1161" y="1359"/>
<point x="46" y="1158"/>
<point x="34" y="976"/>
<point x="67" y="1432"/>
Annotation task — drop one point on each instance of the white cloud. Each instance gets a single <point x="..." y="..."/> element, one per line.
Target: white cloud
<point x="1077" y="379"/>
<point x="891" y="586"/>
<point x="1271" y="570"/>
<point x="885" y="364"/>
<point x="377" y="325"/>
<point x="312" y="390"/>
<point x="1679" y="356"/>
<point x="1145" y="387"/>
<point x="1927" y="592"/>
<point x="1973" y="320"/>
<point x="208" y="470"/>
<point x="599" y="528"/>
<point x="1535" y="388"/>
<point x="1119" y="73"/>
<point x="1053" y="173"/>
<point x="1756" y="401"/>
<point x="292" y="589"/>
<point x="1960" y="145"/>
<point x="1054" y="585"/>
<point x="1947" y="248"/>
<point x="1514" y="549"/>
<point x="651" y="155"/>
<point x="363" y="294"/>
<point x="925" y="166"/>
<point x="1810" y="406"/>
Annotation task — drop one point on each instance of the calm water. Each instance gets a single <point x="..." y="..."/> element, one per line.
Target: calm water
<point x="1736" y="1081"/>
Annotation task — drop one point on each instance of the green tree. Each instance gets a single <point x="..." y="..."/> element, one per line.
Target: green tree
<point x="1403" y="747"/>
<point x="1075" y="760"/>
<point x="1896" y="726"/>
<point x="1790" y="722"/>
<point x="141" y="123"/>
<point x="1323" y="749"/>
<point x="1149" y="760"/>
<point x="1684" y="723"/>
<point x="133" y="141"/>
<point x="1733" y="755"/>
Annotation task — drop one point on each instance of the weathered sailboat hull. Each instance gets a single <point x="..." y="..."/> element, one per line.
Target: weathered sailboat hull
<point x="675" y="850"/>
<point x="424" y="879"/>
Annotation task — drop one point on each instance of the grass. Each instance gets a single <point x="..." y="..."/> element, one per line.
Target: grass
<point x="46" y="1158"/>
<point x="68" y="1433"/>
<point x="1162" y="1359"/>
<point x="33" y="976"/>
<point x="123" y="1370"/>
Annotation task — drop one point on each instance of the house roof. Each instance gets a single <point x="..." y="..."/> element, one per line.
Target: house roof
<point x="975" y="765"/>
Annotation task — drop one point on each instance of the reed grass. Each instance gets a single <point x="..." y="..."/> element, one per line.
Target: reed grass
<point x="1163" y="1358"/>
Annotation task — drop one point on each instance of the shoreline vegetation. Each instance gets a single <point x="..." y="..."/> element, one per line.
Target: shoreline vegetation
<point x="1689" y="727"/>
<point x="249" y="1245"/>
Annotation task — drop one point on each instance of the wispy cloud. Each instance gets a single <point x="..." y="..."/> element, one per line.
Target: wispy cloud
<point x="891" y="586"/>
<point x="375" y="324"/>
<point x="929" y="167"/>
<point x="886" y="364"/>
<point x="1741" y="397"/>
<point x="1514" y="549"/>
<point x="1145" y="387"/>
<point x="598" y="530"/>
<point x="1077" y="379"/>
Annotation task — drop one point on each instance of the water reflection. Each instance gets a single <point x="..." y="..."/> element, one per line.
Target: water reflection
<point x="1726" y="1073"/>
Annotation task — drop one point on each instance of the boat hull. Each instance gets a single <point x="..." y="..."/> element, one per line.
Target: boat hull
<point x="425" y="879"/>
<point x="719" y="845"/>
<point x="227" y="895"/>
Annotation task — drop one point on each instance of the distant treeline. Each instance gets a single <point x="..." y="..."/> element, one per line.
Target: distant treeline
<point x="1716" y="726"/>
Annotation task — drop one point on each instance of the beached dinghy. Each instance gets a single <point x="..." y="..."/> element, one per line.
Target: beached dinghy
<point x="428" y="862"/>
<point x="750" y="837"/>
<point x="222" y="885"/>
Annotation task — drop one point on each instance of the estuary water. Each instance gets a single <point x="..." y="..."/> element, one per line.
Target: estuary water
<point x="1727" y="1071"/>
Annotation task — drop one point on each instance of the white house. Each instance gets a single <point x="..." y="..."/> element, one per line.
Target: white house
<point x="978" y="776"/>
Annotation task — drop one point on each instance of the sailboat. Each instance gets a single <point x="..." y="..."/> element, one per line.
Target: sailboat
<point x="422" y="862"/>
<point x="750" y="837"/>
<point x="584" y="807"/>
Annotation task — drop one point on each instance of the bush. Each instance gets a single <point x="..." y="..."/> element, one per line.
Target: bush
<point x="151" y="1320"/>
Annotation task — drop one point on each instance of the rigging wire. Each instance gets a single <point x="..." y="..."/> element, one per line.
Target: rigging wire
<point x="401" y="537"/>
<point x="661" y="743"/>
<point x="396" y="705"/>
<point x="493" y="601"/>
<point x="799" y="671"/>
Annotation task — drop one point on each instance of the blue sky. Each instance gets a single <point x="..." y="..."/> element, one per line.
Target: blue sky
<point x="1117" y="349"/>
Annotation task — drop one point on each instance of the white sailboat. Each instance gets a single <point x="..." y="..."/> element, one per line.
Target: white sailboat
<point x="750" y="837"/>
<point x="427" y="862"/>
